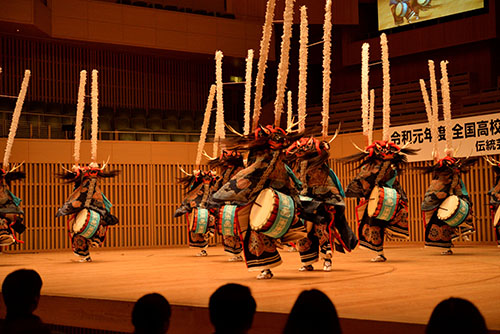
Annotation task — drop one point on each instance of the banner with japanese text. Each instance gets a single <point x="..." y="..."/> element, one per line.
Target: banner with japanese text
<point x="472" y="136"/>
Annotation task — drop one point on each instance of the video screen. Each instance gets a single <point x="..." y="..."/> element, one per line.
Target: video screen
<point x="396" y="13"/>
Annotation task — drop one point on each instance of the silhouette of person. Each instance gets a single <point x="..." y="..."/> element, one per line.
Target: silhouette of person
<point x="232" y="309"/>
<point x="21" y="293"/>
<point x="457" y="316"/>
<point x="151" y="314"/>
<point x="313" y="312"/>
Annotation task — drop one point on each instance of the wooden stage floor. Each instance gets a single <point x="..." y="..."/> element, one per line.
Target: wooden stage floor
<point x="404" y="289"/>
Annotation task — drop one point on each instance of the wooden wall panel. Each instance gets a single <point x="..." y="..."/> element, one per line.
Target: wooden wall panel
<point x="126" y="80"/>
<point x="145" y="197"/>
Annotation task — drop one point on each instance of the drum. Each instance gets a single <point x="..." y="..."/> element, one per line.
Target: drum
<point x="272" y="213"/>
<point x="86" y="223"/>
<point x="198" y="220"/>
<point x="382" y="203"/>
<point x="227" y="217"/>
<point x="401" y="9"/>
<point x="423" y="3"/>
<point x="453" y="210"/>
<point x="496" y="219"/>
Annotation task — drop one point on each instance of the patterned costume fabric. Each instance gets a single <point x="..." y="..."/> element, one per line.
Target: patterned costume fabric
<point x="322" y="203"/>
<point x="266" y="169"/>
<point x="380" y="168"/>
<point x="201" y="186"/>
<point x="446" y="181"/>
<point x="246" y="185"/>
<point x="494" y="194"/>
<point x="326" y="210"/>
<point x="87" y="195"/>
<point x="230" y="163"/>
<point x="11" y="215"/>
<point x="371" y="230"/>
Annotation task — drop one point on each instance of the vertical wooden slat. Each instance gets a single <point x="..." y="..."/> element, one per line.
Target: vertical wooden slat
<point x="128" y="80"/>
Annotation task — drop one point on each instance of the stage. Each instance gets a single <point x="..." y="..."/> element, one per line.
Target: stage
<point x="389" y="297"/>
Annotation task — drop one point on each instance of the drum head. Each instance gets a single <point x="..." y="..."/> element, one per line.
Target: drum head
<point x="448" y="207"/>
<point x="497" y="217"/>
<point x="262" y="208"/>
<point x="80" y="220"/>
<point x="373" y="201"/>
<point x="401" y="9"/>
<point x="423" y="2"/>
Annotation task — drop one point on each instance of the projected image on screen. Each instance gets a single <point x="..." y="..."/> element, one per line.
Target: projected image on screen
<point x="395" y="13"/>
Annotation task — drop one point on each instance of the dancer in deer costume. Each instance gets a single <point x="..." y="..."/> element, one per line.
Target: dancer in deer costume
<point x="446" y="207"/>
<point x="494" y="194"/>
<point x="230" y="163"/>
<point x="322" y="196"/>
<point x="199" y="186"/>
<point x="267" y="185"/>
<point x="322" y="200"/>
<point x="266" y="171"/>
<point x="11" y="215"/>
<point x="383" y="204"/>
<point x="87" y="207"/>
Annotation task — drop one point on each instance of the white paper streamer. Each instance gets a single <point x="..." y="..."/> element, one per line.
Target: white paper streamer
<point x="365" y="103"/>
<point x="267" y="31"/>
<point x="206" y="122"/>
<point x="434" y="93"/>
<point x="327" y="58"/>
<point x="371" y="116"/>
<point x="431" y="118"/>
<point x="219" y="119"/>
<point x="445" y="92"/>
<point x="79" y="116"/>
<point x="284" y="61"/>
<point x="248" y="91"/>
<point x="386" y="92"/>
<point x="95" y="115"/>
<point x="289" y="111"/>
<point x="303" y="55"/>
<point x="15" y="118"/>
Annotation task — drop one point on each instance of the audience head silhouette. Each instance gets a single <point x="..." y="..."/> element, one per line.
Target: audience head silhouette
<point x="313" y="312"/>
<point x="232" y="309"/>
<point x="21" y="292"/>
<point x="457" y="316"/>
<point x="151" y="314"/>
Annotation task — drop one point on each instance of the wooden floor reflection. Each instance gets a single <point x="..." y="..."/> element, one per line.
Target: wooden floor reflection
<point x="404" y="289"/>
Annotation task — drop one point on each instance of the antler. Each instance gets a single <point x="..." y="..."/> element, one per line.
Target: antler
<point x="406" y="145"/>
<point x="288" y="129"/>
<point x="491" y="161"/>
<point x="15" y="167"/>
<point x="104" y="164"/>
<point x="182" y="170"/>
<point x="233" y="130"/>
<point x="336" y="134"/>
<point x="361" y="150"/>
<point x="65" y="169"/>
<point x="207" y="156"/>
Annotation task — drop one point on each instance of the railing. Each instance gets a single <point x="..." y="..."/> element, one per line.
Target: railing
<point x="35" y="126"/>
